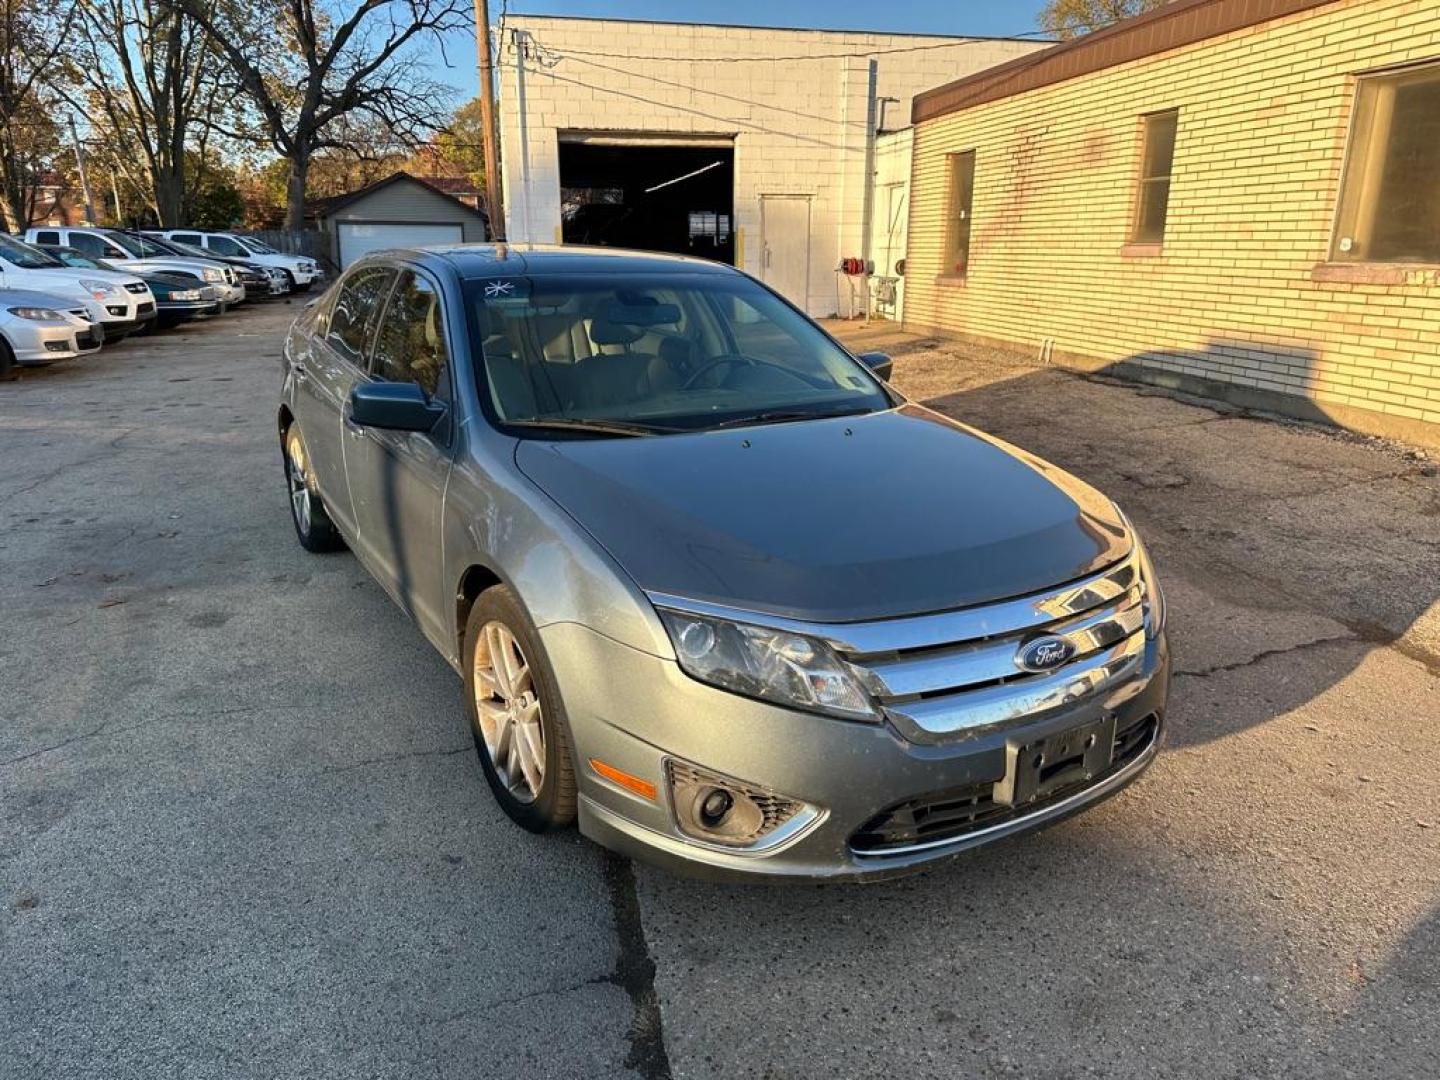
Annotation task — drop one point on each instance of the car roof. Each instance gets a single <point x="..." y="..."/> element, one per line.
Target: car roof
<point x="473" y="261"/>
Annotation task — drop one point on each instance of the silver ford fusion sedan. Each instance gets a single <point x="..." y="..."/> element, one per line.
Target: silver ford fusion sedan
<point x="715" y="589"/>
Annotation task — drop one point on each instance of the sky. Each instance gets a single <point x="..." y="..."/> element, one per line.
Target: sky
<point x="991" y="18"/>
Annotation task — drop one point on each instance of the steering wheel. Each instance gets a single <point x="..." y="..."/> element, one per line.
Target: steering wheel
<point x="734" y="359"/>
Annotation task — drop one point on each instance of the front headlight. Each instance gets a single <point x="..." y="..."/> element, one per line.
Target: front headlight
<point x="99" y="289"/>
<point x="39" y="314"/>
<point x="772" y="665"/>
<point x="211" y="274"/>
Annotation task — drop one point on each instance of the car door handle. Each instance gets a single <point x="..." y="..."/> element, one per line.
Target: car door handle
<point x="298" y="370"/>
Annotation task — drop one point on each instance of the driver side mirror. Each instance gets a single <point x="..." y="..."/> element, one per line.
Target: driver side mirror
<point x="394" y="406"/>
<point x="878" y="362"/>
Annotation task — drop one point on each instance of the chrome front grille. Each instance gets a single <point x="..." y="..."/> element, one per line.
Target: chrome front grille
<point x="957" y="674"/>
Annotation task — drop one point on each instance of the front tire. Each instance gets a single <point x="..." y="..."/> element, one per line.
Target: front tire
<point x="516" y="717"/>
<point x="313" y="527"/>
<point x="7" y="362"/>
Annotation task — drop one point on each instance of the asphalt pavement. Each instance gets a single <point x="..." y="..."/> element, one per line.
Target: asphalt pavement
<point x="243" y="832"/>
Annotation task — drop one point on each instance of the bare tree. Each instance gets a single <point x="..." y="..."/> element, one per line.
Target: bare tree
<point x="152" y="73"/>
<point x="1068" y="19"/>
<point x="312" y="66"/>
<point x="32" y="35"/>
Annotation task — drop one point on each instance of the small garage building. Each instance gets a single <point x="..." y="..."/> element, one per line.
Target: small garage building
<point x="400" y="211"/>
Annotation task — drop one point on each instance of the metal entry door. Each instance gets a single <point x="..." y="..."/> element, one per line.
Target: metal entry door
<point x="785" y="239"/>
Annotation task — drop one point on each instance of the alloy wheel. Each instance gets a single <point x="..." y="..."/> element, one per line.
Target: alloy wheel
<point x="508" y="708"/>
<point x="299" y="484"/>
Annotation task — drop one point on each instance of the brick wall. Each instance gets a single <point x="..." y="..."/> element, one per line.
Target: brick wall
<point x="1240" y="298"/>
<point x="799" y="125"/>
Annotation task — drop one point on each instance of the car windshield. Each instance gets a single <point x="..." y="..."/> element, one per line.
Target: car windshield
<point x="256" y="246"/>
<point x="183" y="248"/>
<point x="139" y="246"/>
<point x="18" y="253"/>
<point x="673" y="353"/>
<point x="71" y="257"/>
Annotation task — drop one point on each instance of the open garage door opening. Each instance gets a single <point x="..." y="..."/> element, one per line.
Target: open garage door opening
<point x="671" y="198"/>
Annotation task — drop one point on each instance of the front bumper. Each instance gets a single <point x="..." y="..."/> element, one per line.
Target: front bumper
<point x="184" y="311"/>
<point x="635" y="712"/>
<point x="37" y="343"/>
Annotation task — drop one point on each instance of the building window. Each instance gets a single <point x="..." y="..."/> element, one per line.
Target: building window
<point x="957" y="224"/>
<point x="1390" y="200"/>
<point x="1152" y="202"/>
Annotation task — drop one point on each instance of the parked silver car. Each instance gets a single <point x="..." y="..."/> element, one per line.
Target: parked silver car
<point x="713" y="586"/>
<point x="39" y="328"/>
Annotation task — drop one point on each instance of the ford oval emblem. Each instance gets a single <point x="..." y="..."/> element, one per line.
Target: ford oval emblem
<point x="1044" y="654"/>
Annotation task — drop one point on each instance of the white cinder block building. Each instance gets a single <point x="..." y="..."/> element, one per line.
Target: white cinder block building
<point x="755" y="146"/>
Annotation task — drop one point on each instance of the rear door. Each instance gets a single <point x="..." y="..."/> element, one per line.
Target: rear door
<point x="397" y="478"/>
<point x="324" y="376"/>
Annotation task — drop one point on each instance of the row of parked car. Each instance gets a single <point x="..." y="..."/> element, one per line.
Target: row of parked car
<point x="65" y="292"/>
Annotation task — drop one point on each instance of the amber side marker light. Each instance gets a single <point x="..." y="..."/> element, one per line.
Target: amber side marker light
<point x="643" y="788"/>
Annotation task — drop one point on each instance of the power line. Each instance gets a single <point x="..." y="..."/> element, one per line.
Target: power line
<point x="1042" y="34"/>
<point x="714" y="93"/>
<point x="728" y="120"/>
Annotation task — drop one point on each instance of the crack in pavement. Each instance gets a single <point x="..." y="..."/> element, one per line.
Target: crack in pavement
<point x="1268" y="654"/>
<point x="109" y="727"/>
<point x="635" y="973"/>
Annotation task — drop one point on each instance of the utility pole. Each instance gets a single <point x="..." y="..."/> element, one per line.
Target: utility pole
<point x="494" y="206"/>
<point x="84" y="180"/>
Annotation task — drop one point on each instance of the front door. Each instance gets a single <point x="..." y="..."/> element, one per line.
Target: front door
<point x="325" y="376"/>
<point x="397" y="478"/>
<point x="785" y="238"/>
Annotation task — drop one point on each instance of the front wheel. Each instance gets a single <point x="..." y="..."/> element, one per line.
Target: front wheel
<point x="519" y="724"/>
<point x="7" y="362"/>
<point x="317" y="533"/>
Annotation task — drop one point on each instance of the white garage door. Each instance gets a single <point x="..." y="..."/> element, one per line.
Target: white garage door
<point x="357" y="237"/>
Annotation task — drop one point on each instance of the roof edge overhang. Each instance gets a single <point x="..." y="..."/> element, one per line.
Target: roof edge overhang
<point x="1171" y="26"/>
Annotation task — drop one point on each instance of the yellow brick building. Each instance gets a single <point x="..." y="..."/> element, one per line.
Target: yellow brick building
<point x="1235" y="197"/>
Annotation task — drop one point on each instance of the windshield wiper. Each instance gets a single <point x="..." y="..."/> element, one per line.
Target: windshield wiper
<point x="782" y="416"/>
<point x="599" y="427"/>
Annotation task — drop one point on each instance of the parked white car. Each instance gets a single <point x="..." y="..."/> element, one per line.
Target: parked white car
<point x="38" y="328"/>
<point x="118" y="303"/>
<point x="132" y="251"/>
<point x="302" y="272"/>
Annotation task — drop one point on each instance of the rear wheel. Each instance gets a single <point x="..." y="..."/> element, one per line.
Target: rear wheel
<point x="519" y="724"/>
<point x="313" y="526"/>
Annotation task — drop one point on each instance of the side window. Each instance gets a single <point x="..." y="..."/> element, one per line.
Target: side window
<point x="186" y="238"/>
<point x="47" y="236"/>
<point x="356" y="306"/>
<point x="225" y="246"/>
<point x="1389" y="211"/>
<point x="410" y="346"/>
<point x="89" y="244"/>
<point x="957" y="215"/>
<point x="1152" y="205"/>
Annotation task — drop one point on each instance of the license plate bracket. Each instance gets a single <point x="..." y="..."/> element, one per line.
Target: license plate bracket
<point x="1039" y="768"/>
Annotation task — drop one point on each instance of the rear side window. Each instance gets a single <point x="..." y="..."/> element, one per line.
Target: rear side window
<point x="356" y="306"/>
<point x="90" y="244"/>
<point x="410" y="346"/>
<point x="47" y="236"/>
<point x="225" y="246"/>
<point x="185" y="238"/>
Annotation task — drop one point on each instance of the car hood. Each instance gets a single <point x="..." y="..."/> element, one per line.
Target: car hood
<point x="71" y="276"/>
<point x="838" y="520"/>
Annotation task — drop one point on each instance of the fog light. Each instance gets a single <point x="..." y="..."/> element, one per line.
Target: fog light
<point x="719" y="810"/>
<point x="714" y="805"/>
